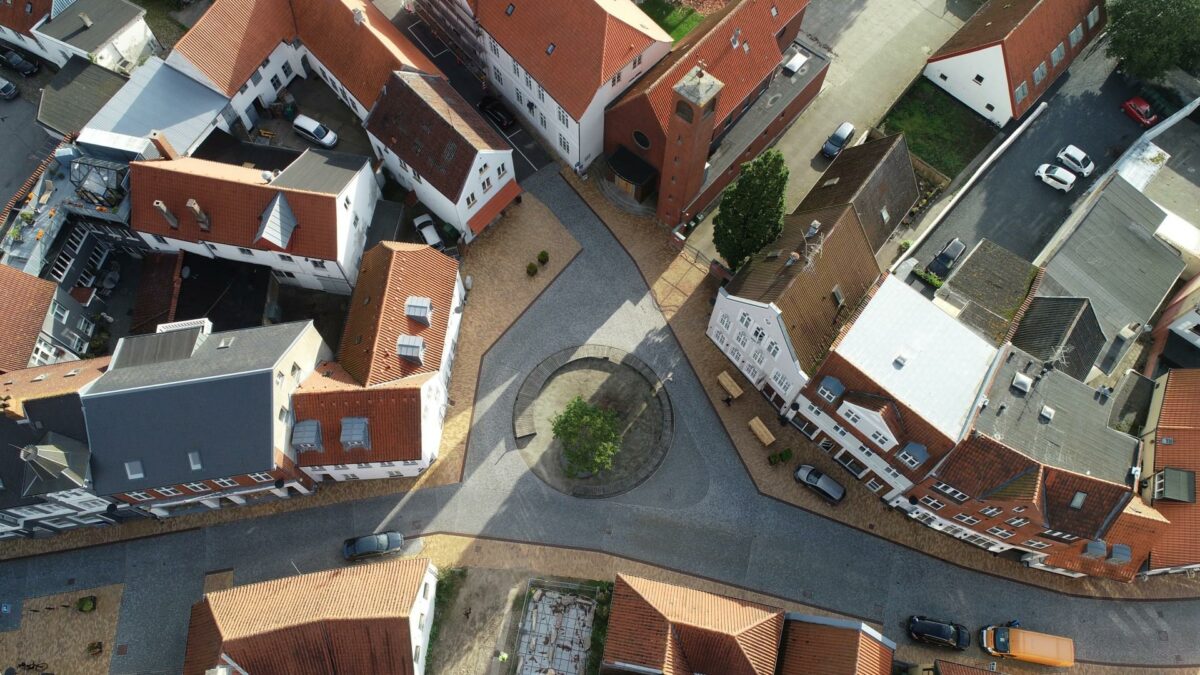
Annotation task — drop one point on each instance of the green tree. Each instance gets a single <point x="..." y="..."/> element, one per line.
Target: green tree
<point x="589" y="435"/>
<point x="1152" y="36"/>
<point x="751" y="212"/>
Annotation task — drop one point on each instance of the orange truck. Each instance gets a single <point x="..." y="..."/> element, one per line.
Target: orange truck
<point x="1020" y="644"/>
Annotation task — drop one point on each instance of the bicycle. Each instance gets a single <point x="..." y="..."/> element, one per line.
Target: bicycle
<point x="31" y="665"/>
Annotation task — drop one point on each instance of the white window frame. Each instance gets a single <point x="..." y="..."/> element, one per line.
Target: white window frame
<point x="1058" y="54"/>
<point x="991" y="511"/>
<point x="225" y="482"/>
<point x="1000" y="532"/>
<point x="168" y="491"/>
<point x="725" y="322"/>
<point x="197" y="487"/>
<point x="909" y="460"/>
<point x="1021" y="92"/>
<point x="951" y="492"/>
<point x="874" y="485"/>
<point x="773" y="349"/>
<point x="933" y="503"/>
<point x="139" y="495"/>
<point x="1093" y="17"/>
<point x="1017" y="522"/>
<point x="967" y="519"/>
<point x="745" y="320"/>
<point x="1036" y="545"/>
<point x="261" y="477"/>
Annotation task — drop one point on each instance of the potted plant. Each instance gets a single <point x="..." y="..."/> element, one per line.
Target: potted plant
<point x="86" y="604"/>
<point x="543" y="258"/>
<point x="531" y="269"/>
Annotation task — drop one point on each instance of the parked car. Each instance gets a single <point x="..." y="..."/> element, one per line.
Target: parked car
<point x="314" y="132"/>
<point x="1140" y="111"/>
<point x="1056" y="177"/>
<point x="938" y="632"/>
<point x="372" y="546"/>
<point x="8" y="90"/>
<point x="829" y="489"/>
<point x="946" y="258"/>
<point x="1076" y="160"/>
<point x="495" y="110"/>
<point x="20" y="64"/>
<point x="424" y="225"/>
<point x="838" y="140"/>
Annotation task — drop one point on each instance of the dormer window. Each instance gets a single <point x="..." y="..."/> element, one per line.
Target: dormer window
<point x="550" y="49"/>
<point x="830" y="388"/>
<point x="510" y="9"/>
<point x="306" y="436"/>
<point x="355" y="433"/>
<point x="411" y="348"/>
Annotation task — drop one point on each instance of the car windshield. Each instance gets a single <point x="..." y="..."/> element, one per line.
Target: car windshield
<point x="370" y="544"/>
<point x="1001" y="640"/>
<point x="319" y="131"/>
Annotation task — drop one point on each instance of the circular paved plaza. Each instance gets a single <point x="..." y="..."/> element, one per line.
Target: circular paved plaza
<point x="611" y="379"/>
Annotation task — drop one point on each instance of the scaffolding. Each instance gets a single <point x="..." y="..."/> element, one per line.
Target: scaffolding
<point x="556" y="628"/>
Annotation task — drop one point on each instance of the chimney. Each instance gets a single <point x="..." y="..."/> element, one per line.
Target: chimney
<point x="793" y="258"/>
<point x="164" y="147"/>
<point x="166" y="213"/>
<point x="359" y="17"/>
<point x="87" y="20"/>
<point x="201" y="217"/>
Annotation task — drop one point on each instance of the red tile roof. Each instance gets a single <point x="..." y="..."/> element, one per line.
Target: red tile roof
<point x="390" y="273"/>
<point x="820" y="649"/>
<point x="499" y="201"/>
<point x="741" y="71"/>
<point x="24" y="302"/>
<point x="233" y="38"/>
<point x="14" y="17"/>
<point x="1103" y="502"/>
<point x="30" y="384"/>
<point x="361" y="57"/>
<point x="234" y="199"/>
<point x="981" y="466"/>
<point x="988" y="26"/>
<point x="433" y="129"/>
<point x="1137" y="526"/>
<point x="1179" y="420"/>
<point x="343" y="620"/>
<point x="593" y="40"/>
<point x="683" y="630"/>
<point x="393" y="413"/>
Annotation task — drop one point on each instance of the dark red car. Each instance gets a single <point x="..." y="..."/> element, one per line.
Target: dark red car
<point x="1139" y="111"/>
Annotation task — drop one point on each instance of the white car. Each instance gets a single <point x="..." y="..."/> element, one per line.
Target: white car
<point x="1076" y="160"/>
<point x="314" y="132"/>
<point x="424" y="225"/>
<point x="1056" y="177"/>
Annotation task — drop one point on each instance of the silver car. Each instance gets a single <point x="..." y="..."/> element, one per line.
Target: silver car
<point x="424" y="225"/>
<point x="314" y="132"/>
<point x="1076" y="160"/>
<point x="829" y="489"/>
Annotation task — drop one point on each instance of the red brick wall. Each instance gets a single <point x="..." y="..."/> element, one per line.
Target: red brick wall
<point x="772" y="133"/>
<point x="630" y="116"/>
<point x="1033" y="40"/>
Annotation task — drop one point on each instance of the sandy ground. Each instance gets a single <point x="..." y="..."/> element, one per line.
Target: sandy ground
<point x="59" y="636"/>
<point x="475" y="624"/>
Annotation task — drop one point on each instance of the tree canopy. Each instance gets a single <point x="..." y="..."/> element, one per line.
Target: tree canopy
<point x="751" y="212"/>
<point x="1152" y="36"/>
<point x="590" y="437"/>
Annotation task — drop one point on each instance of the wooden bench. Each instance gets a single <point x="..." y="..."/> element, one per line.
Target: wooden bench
<point x="266" y="133"/>
<point x="761" y="431"/>
<point x="728" y="384"/>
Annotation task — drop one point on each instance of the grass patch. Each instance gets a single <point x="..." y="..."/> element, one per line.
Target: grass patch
<point x="940" y="130"/>
<point x="673" y="18"/>
<point x="449" y="584"/>
<point x="158" y="17"/>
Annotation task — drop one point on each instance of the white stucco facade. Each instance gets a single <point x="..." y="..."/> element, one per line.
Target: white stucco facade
<point x="978" y="79"/>
<point x="490" y="173"/>
<point x="122" y="53"/>
<point x="836" y="440"/>
<point x="751" y="334"/>
<point x="578" y="142"/>
<point x="420" y="619"/>
<point x="30" y="43"/>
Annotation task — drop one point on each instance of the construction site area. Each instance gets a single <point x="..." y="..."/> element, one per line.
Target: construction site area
<point x="556" y="628"/>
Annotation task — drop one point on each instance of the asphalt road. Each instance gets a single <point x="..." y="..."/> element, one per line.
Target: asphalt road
<point x="700" y="513"/>
<point x="1011" y="207"/>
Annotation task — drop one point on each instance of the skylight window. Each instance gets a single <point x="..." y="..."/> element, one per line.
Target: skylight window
<point x="133" y="469"/>
<point x="550" y="49"/>
<point x="194" y="460"/>
<point x="1077" y="500"/>
<point x="510" y="9"/>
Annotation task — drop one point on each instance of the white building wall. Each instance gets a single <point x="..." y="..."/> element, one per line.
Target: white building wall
<point x="44" y="49"/>
<point x="293" y="368"/>
<point x="1187" y="326"/>
<point x="359" y="107"/>
<point x="290" y="269"/>
<point x="355" y="208"/>
<point x="847" y="443"/>
<point x="492" y="166"/>
<point x="442" y="206"/>
<point x="420" y="620"/>
<point x="131" y="44"/>
<point x="728" y="329"/>
<point x="960" y="73"/>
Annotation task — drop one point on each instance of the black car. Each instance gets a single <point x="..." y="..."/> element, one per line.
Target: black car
<point x="8" y="90"/>
<point x="20" y="64"/>
<point x="372" y="545"/>
<point x="939" y="633"/>
<point x="946" y="258"/>
<point x="494" y="109"/>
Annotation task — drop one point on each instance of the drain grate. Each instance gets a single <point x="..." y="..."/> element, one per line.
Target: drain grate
<point x="122" y="650"/>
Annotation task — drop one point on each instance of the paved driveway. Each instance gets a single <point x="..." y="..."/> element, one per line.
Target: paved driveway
<point x="699" y="513"/>
<point x="1013" y="208"/>
<point x="23" y="145"/>
<point x="528" y="154"/>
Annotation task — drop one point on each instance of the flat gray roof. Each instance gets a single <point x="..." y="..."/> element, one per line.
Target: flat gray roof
<point x="1078" y="437"/>
<point x="321" y="171"/>
<point x="158" y="97"/>
<point x="107" y="18"/>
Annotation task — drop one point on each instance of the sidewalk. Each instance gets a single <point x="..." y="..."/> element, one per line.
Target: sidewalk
<point x="501" y="291"/>
<point x="683" y="291"/>
<point x="529" y="560"/>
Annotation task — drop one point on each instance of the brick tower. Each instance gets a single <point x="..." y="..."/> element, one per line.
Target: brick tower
<point x="689" y="134"/>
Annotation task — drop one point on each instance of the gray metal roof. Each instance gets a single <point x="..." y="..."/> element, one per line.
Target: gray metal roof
<point x="1114" y="260"/>
<point x="217" y="402"/>
<point x="1078" y="437"/>
<point x="13" y="437"/>
<point x="158" y="97"/>
<point x="155" y="348"/>
<point x="106" y="19"/>
<point x="321" y="171"/>
<point x="55" y="463"/>
<point x="76" y="94"/>
<point x="278" y="221"/>
<point x="1063" y="329"/>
